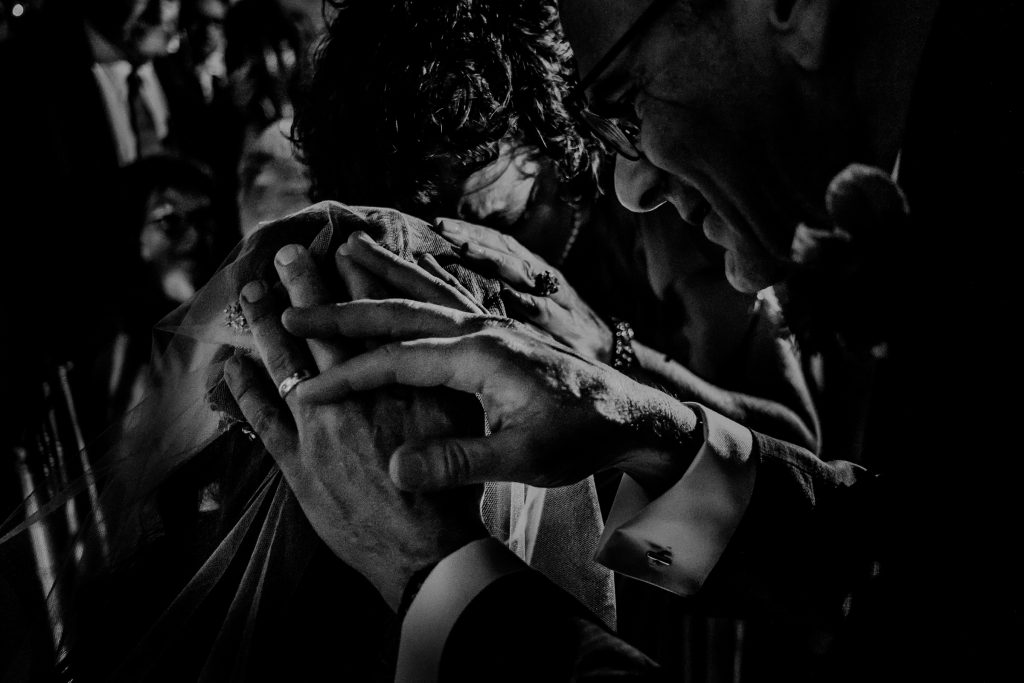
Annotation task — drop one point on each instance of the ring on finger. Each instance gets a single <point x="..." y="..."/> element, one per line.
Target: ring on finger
<point x="546" y="283"/>
<point x="293" y="380"/>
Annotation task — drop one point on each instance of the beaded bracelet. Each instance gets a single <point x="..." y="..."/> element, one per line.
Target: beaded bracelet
<point x="623" y="355"/>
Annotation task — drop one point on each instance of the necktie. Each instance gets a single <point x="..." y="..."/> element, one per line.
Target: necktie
<point x="147" y="142"/>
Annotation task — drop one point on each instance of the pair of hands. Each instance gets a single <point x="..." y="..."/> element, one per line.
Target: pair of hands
<point x="556" y="417"/>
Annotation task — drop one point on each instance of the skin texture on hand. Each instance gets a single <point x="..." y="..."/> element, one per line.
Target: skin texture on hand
<point x="555" y="416"/>
<point x="563" y="314"/>
<point x="334" y="454"/>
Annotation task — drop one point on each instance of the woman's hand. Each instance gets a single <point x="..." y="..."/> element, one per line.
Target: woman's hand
<point x="562" y="314"/>
<point x="555" y="416"/>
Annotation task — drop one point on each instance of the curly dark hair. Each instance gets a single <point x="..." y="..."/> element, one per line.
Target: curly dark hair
<point x="409" y="97"/>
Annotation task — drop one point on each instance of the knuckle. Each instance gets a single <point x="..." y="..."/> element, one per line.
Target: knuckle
<point x="264" y="419"/>
<point x="258" y="314"/>
<point x="509" y="242"/>
<point x="280" y="365"/>
<point x="456" y="462"/>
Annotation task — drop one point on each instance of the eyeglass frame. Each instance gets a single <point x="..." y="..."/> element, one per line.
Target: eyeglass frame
<point x="600" y="125"/>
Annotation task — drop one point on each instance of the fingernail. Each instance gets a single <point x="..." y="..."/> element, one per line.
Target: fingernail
<point x="449" y="227"/>
<point x="254" y="291"/>
<point x="362" y="236"/>
<point x="408" y="472"/>
<point x="287" y="254"/>
<point x="344" y="250"/>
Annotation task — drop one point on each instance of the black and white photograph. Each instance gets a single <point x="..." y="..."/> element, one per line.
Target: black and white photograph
<point x="569" y="341"/>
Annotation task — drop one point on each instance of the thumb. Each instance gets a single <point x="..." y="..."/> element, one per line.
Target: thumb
<point x="448" y="463"/>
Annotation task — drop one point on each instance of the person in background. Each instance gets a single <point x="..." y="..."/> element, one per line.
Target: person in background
<point x="174" y="236"/>
<point x="115" y="91"/>
<point x="272" y="182"/>
<point x="203" y="27"/>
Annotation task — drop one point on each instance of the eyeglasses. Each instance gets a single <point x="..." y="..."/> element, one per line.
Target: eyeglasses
<point x="619" y="134"/>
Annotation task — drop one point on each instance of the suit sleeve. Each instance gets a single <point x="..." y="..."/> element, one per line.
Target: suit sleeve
<point x="756" y="526"/>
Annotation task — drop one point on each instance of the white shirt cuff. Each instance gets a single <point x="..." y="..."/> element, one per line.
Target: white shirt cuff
<point x="675" y="540"/>
<point x="449" y="588"/>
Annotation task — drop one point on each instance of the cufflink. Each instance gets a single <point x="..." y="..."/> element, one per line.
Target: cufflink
<point x="659" y="559"/>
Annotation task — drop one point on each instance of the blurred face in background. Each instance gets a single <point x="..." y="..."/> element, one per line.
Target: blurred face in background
<point x="275" y="188"/>
<point x="177" y="240"/>
<point x="272" y="182"/>
<point x="152" y="28"/>
<point x="306" y="15"/>
<point x="206" y="32"/>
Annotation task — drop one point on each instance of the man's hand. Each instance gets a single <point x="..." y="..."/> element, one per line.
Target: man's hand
<point x="563" y="314"/>
<point x="556" y="417"/>
<point x="334" y="454"/>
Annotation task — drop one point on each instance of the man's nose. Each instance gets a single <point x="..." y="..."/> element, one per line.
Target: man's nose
<point x="639" y="185"/>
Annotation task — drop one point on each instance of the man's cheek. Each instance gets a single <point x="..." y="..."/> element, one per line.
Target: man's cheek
<point x="664" y="140"/>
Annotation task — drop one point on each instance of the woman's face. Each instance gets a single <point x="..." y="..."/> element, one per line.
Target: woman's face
<point x="177" y="240"/>
<point x="518" y="195"/>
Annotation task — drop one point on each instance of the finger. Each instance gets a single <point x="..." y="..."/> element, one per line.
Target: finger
<point x="284" y="355"/>
<point x="360" y="283"/>
<point x="261" y="406"/>
<point x="305" y="287"/>
<point x="430" y="264"/>
<point x="458" y="232"/>
<point x="407" y="278"/>
<point x="390" y="318"/>
<point x="448" y="463"/>
<point x="515" y="271"/>
<point x="454" y="363"/>
<point x="524" y="306"/>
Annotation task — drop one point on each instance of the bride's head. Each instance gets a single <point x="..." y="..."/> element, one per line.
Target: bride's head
<point x="450" y="108"/>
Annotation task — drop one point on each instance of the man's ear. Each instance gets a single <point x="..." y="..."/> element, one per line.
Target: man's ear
<point x="801" y="29"/>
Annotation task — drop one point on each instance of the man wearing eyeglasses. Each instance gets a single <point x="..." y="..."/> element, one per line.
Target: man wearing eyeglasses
<point x="796" y="132"/>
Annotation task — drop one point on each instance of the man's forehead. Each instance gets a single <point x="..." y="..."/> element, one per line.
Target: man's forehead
<point x="593" y="26"/>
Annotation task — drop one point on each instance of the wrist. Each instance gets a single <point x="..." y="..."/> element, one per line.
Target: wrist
<point x="412" y="587"/>
<point x="399" y="577"/>
<point x="668" y="435"/>
<point x="622" y="355"/>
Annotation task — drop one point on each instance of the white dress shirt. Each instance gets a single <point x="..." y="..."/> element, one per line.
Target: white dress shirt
<point x="672" y="541"/>
<point x="112" y="79"/>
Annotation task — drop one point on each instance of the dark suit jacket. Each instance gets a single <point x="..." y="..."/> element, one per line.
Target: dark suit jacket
<point x="910" y="571"/>
<point x="523" y="628"/>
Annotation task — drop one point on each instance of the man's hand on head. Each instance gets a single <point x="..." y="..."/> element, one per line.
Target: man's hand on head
<point x="334" y="454"/>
